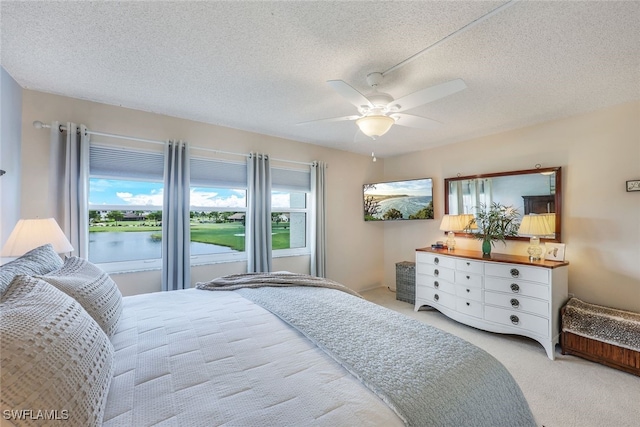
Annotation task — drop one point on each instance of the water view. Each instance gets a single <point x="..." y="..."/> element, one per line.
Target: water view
<point x="114" y="246"/>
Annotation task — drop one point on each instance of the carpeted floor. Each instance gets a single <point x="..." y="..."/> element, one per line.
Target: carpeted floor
<point x="566" y="392"/>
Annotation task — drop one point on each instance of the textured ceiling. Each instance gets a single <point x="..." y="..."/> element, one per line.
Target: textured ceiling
<point x="263" y="66"/>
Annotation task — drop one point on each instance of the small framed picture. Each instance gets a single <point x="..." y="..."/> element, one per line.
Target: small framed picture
<point x="633" y="185"/>
<point x="554" y="251"/>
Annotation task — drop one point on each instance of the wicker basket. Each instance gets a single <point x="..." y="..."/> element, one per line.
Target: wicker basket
<point x="406" y="281"/>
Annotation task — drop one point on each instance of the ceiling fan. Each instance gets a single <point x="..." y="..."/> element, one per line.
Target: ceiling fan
<point x="379" y="111"/>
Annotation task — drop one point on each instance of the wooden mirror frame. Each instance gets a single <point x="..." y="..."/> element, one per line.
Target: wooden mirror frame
<point x="557" y="200"/>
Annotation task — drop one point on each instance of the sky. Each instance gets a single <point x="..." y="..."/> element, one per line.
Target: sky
<point x="414" y="187"/>
<point x="144" y="194"/>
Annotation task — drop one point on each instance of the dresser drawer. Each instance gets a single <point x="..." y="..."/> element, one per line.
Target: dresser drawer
<point x="517" y="287"/>
<point x="475" y="267"/>
<point x="529" y="322"/>
<point x="468" y="279"/>
<point x="469" y="307"/>
<point x="436" y="283"/>
<point x="436" y="259"/>
<point x="436" y="297"/>
<point x="437" y="272"/>
<point x="518" y="303"/>
<point x="469" y="292"/>
<point x="515" y="271"/>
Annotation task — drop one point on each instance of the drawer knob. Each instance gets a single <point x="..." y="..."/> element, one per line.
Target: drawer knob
<point x="468" y="304"/>
<point x="515" y="303"/>
<point x="468" y="290"/>
<point x="436" y="272"/>
<point x="515" y="272"/>
<point x="468" y="263"/>
<point x="436" y="284"/>
<point x="514" y="319"/>
<point x="468" y="277"/>
<point x="515" y="288"/>
<point x="436" y="297"/>
<point x="436" y="261"/>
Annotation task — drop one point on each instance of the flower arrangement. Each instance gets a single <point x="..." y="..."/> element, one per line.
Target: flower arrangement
<point x="494" y="223"/>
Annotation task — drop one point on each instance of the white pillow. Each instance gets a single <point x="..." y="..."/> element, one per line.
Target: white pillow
<point x="92" y="288"/>
<point x="41" y="260"/>
<point x="54" y="356"/>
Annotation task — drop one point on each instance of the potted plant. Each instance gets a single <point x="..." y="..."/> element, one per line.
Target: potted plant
<point x="493" y="223"/>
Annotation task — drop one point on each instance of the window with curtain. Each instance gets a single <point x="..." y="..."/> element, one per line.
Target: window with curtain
<point x="217" y="209"/>
<point x="125" y="208"/>
<point x="290" y="192"/>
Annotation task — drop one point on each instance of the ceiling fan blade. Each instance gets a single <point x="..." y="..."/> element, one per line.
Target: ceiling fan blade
<point x="349" y="93"/>
<point x="429" y="94"/>
<point x="332" y="119"/>
<point x="411" y="121"/>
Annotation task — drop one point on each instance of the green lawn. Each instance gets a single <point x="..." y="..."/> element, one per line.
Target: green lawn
<point x="229" y="234"/>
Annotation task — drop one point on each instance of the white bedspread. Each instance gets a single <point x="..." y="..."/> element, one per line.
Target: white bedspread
<point x="199" y="358"/>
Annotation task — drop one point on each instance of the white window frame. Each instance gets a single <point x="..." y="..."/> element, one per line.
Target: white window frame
<point x="306" y="250"/>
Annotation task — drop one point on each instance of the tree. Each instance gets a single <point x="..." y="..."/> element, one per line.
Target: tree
<point x="115" y="216"/>
<point x="392" y="213"/>
<point x="425" y="213"/>
<point x="93" y="216"/>
<point x="155" y="216"/>
<point x="371" y="205"/>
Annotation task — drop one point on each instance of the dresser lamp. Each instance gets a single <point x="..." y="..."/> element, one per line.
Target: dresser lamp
<point x="536" y="225"/>
<point x="450" y="224"/>
<point x="31" y="233"/>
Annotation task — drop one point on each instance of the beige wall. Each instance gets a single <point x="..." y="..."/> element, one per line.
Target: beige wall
<point x="355" y="249"/>
<point x="598" y="152"/>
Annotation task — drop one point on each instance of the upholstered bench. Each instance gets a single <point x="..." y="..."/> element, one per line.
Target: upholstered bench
<point x="601" y="334"/>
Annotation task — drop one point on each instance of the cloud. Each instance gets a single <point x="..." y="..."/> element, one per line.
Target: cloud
<point x="141" y="199"/>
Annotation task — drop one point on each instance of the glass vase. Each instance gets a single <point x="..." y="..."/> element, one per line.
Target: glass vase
<point x="486" y="248"/>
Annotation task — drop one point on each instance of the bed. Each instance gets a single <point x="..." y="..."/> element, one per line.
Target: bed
<point x="277" y="350"/>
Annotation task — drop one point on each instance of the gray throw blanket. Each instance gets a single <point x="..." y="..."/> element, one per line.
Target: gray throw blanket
<point x="427" y="376"/>
<point x="258" y="280"/>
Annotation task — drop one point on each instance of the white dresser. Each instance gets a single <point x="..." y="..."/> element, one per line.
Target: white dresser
<point x="505" y="293"/>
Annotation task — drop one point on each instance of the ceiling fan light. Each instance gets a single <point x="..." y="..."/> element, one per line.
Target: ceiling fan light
<point x="374" y="126"/>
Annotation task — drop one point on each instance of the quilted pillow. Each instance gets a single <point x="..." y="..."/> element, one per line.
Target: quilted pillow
<point x="92" y="288"/>
<point x="54" y="355"/>
<point x="41" y="260"/>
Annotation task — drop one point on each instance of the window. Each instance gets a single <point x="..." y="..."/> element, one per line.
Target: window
<point x="218" y="205"/>
<point x="290" y="211"/>
<point x="125" y="208"/>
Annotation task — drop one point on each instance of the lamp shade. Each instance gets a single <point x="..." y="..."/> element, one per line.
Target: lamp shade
<point x="447" y="223"/>
<point x="465" y="220"/>
<point x="30" y="233"/>
<point x="535" y="225"/>
<point x="374" y="126"/>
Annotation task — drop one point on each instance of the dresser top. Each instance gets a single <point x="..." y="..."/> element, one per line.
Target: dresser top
<point x="495" y="257"/>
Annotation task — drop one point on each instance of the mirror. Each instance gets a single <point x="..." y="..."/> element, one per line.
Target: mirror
<point x="532" y="191"/>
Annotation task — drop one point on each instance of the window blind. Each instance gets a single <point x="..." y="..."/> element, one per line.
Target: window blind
<point x="218" y="173"/>
<point x="291" y="180"/>
<point x="120" y="163"/>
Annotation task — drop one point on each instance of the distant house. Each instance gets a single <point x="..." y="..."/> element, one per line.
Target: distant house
<point x="237" y="217"/>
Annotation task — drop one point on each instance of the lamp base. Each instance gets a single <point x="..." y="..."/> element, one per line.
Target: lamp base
<point x="451" y="241"/>
<point x="534" y="250"/>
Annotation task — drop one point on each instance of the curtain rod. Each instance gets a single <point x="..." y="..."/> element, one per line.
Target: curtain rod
<point x="39" y="125"/>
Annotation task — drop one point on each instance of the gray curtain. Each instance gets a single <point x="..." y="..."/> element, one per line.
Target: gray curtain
<point x="258" y="218"/>
<point x="318" y="223"/>
<point x="69" y="184"/>
<point x="176" y="265"/>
